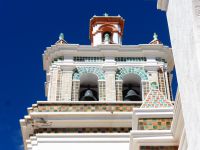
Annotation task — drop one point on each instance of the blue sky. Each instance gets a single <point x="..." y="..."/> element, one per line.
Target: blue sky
<point x="27" y="27"/>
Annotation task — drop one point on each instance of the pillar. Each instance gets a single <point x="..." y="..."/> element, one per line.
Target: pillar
<point x="75" y="90"/>
<point x="52" y="91"/>
<point x="66" y="83"/>
<point x="119" y="88"/>
<point x="110" y="72"/>
<point x="102" y="90"/>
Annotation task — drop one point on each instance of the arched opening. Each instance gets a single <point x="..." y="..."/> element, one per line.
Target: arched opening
<point x="88" y="87"/>
<point x="132" y="90"/>
<point x="107" y="37"/>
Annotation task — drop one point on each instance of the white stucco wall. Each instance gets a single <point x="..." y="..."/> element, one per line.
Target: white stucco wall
<point x="116" y="38"/>
<point x="97" y="39"/>
<point x="184" y="27"/>
<point x="96" y="27"/>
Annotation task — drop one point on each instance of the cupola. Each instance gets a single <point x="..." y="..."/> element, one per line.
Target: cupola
<point x="106" y="29"/>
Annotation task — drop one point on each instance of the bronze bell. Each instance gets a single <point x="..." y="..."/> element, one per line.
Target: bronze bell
<point x="88" y="96"/>
<point x="132" y="96"/>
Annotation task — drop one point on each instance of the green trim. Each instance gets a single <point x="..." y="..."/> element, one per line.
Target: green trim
<point x="85" y="70"/>
<point x="133" y="70"/>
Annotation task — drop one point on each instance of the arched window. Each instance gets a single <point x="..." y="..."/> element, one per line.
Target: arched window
<point x="131" y="88"/>
<point x="88" y="87"/>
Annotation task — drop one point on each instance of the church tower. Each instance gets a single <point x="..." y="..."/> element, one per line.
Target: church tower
<point x="106" y="29"/>
<point x="100" y="95"/>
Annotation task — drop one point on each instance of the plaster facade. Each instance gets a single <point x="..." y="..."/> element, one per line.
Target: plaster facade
<point x="184" y="26"/>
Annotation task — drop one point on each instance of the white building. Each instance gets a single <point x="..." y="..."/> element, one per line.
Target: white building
<point x="184" y="26"/>
<point x="106" y="95"/>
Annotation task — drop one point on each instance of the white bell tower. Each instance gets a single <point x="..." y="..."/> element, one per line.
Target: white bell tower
<point x="106" y="30"/>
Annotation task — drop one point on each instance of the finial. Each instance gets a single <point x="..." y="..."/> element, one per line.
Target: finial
<point x="155" y="39"/>
<point x="61" y="36"/>
<point x="105" y="14"/>
<point x="155" y="36"/>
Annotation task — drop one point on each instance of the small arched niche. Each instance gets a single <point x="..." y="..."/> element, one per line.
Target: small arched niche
<point x="88" y="87"/>
<point x="107" y="37"/>
<point x="131" y="88"/>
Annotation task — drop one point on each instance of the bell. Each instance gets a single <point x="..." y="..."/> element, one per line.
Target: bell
<point x="132" y="96"/>
<point x="88" y="96"/>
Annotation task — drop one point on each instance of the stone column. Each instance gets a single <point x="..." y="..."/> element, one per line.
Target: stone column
<point x="110" y="72"/>
<point x="75" y="90"/>
<point x="119" y="88"/>
<point x="102" y="90"/>
<point x="52" y="91"/>
<point x="66" y="84"/>
<point x="145" y="88"/>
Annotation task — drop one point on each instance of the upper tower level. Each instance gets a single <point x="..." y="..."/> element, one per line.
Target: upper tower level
<point x="106" y="70"/>
<point x="106" y="29"/>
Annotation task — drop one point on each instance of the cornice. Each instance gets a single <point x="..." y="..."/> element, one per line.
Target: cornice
<point x="115" y="50"/>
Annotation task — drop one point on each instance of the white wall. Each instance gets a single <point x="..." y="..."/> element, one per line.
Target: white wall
<point x="97" y="39"/>
<point x="184" y="26"/>
<point x="116" y="38"/>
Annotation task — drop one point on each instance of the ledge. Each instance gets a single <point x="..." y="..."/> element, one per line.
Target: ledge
<point x="88" y="102"/>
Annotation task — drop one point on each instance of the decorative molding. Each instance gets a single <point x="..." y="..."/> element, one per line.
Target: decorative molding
<point x="130" y="59"/>
<point x="131" y="70"/>
<point x="150" y="113"/>
<point x="155" y="99"/>
<point x="88" y="59"/>
<point x="71" y="50"/>
<point x="90" y="69"/>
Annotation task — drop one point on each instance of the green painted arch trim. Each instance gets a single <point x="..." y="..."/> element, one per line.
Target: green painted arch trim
<point x="85" y="70"/>
<point x="141" y="72"/>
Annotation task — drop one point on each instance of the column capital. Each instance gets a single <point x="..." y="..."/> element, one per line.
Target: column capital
<point x="67" y="67"/>
<point x="151" y="68"/>
<point x="108" y="68"/>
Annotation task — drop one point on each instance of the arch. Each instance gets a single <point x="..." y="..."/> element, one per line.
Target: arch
<point x="89" y="83"/>
<point x="108" y="28"/>
<point x="132" y="85"/>
<point x="134" y="70"/>
<point x="85" y="70"/>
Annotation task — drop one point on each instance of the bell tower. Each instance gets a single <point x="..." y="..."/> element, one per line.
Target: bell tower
<point x="102" y="95"/>
<point x="106" y="30"/>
